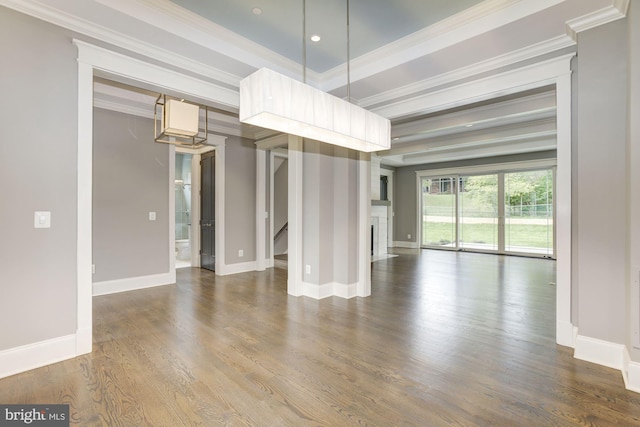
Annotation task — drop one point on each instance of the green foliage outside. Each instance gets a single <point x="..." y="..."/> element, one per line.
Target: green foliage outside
<point x="528" y="195"/>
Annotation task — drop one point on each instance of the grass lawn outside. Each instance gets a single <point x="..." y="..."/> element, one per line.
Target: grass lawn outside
<point x="522" y="235"/>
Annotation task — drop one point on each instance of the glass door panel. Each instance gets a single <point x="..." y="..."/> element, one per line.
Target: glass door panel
<point x="479" y="212"/>
<point x="439" y="212"/>
<point x="529" y="212"/>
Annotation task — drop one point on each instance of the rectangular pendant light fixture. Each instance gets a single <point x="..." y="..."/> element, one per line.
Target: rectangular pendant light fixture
<point x="271" y="100"/>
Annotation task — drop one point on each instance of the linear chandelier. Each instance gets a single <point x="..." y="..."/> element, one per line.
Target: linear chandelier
<point x="271" y="100"/>
<point x="177" y="122"/>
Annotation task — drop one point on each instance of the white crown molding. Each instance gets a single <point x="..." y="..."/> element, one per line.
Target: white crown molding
<point x="54" y="16"/>
<point x="519" y="79"/>
<point x="122" y="108"/>
<point x="472" y="22"/>
<point x="600" y="17"/>
<point x="183" y="23"/>
<point x="511" y="58"/>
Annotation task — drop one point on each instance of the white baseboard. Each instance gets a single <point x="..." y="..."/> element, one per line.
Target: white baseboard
<point x="32" y="356"/>
<point x="632" y="379"/>
<point x="600" y="352"/>
<point x="566" y="334"/>
<point x="241" y="267"/>
<point x="329" y="290"/>
<point x="408" y="245"/>
<point x="133" y="283"/>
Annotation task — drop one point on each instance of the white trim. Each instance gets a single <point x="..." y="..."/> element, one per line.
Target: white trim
<point x="261" y="208"/>
<point x="187" y="25"/>
<point x="489" y="168"/>
<point x="132" y="283"/>
<point x="600" y="17"/>
<point x="472" y="22"/>
<point x="331" y="289"/>
<point x="31" y="356"/>
<point x="562" y="198"/>
<point x="50" y="14"/>
<point x="513" y="81"/>
<point x="296" y="230"/>
<point x="611" y="355"/>
<point x="89" y="58"/>
<point x="118" y="65"/>
<point x="496" y="63"/>
<point x="172" y="212"/>
<point x="195" y="208"/>
<point x="600" y="352"/>
<point x="220" y="197"/>
<point x="85" y="208"/>
<point x="390" y="211"/>
<point x="407" y="245"/>
<point x="633" y="377"/>
<point x="241" y="267"/>
<point x="364" y="226"/>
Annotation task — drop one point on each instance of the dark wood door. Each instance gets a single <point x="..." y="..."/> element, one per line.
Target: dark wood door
<point x="207" y="215"/>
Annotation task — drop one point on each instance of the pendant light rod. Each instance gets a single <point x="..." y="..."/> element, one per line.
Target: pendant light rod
<point x="348" y="57"/>
<point x="304" y="41"/>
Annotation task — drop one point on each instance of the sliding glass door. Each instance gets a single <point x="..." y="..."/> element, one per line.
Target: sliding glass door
<point x="479" y="212"/>
<point x="529" y="212"/>
<point x="439" y="219"/>
<point x="505" y="212"/>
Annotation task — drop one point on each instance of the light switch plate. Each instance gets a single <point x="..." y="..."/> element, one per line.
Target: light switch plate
<point x="42" y="219"/>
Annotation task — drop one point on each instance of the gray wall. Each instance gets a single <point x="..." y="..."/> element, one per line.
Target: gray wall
<point x="602" y="182"/>
<point x="330" y="217"/>
<point x="240" y="203"/>
<point x="38" y="106"/>
<point x="130" y="179"/>
<point x="405" y="191"/>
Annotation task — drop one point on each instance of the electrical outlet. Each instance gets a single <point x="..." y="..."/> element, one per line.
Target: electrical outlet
<point x="408" y="236"/>
<point x="240" y="253"/>
<point x="307" y="269"/>
<point x="152" y="216"/>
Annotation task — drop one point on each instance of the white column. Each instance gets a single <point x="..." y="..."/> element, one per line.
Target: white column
<point x="564" y="327"/>
<point x="364" y="225"/>
<point x="295" y="164"/>
<point x="261" y="208"/>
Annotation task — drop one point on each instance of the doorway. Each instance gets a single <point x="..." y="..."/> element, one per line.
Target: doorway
<point x="183" y="209"/>
<point x="207" y="212"/>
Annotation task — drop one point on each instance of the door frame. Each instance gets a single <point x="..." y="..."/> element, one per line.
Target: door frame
<point x="97" y="61"/>
<point x="196" y="173"/>
<point x="499" y="169"/>
<point x="282" y="153"/>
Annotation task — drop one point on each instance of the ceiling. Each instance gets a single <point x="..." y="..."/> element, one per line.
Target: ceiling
<point x="399" y="49"/>
<point x="277" y="24"/>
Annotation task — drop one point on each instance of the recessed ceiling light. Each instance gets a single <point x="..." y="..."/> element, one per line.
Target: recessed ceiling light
<point x="468" y="125"/>
<point x="396" y="138"/>
<point x="315" y="38"/>
<point x="256" y="11"/>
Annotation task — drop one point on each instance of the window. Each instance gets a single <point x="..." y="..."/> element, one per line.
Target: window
<point x="503" y="212"/>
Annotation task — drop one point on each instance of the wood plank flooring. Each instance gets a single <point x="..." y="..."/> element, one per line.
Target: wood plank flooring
<point x="445" y="339"/>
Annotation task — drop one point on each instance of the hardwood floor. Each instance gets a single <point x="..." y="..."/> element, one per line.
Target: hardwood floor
<point x="445" y="339"/>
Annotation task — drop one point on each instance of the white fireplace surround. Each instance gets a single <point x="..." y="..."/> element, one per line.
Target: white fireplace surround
<point x="379" y="222"/>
